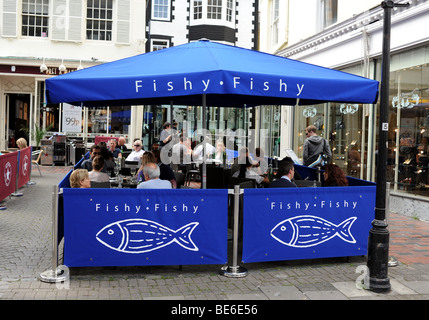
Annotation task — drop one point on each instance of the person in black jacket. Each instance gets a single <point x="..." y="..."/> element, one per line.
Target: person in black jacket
<point x="285" y="172"/>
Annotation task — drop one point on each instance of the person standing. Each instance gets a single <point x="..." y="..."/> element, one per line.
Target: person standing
<point x="314" y="146"/>
<point x="165" y="137"/>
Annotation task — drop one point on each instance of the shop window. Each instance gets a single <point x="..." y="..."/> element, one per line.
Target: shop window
<point x="99" y="20"/>
<point x="345" y="138"/>
<point x="305" y="116"/>
<point x="270" y="122"/>
<point x="35" y="18"/>
<point x="408" y="140"/>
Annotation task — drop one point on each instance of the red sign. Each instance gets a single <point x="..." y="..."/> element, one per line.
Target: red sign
<point x="8" y="165"/>
<point x="24" y="166"/>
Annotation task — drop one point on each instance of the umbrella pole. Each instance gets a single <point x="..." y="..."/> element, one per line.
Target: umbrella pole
<point x="203" y="174"/>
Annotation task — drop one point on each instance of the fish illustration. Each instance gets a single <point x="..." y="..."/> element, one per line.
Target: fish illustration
<point x="306" y="231"/>
<point x="140" y="235"/>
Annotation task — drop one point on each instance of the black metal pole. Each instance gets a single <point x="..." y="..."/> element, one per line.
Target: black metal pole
<point x="378" y="240"/>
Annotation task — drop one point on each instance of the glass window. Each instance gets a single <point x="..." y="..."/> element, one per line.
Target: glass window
<point x="115" y="120"/>
<point x="345" y="137"/>
<point x="161" y="9"/>
<point x="159" y="44"/>
<point x="99" y="23"/>
<point x="330" y="11"/>
<point x="305" y="116"/>
<point x="229" y="10"/>
<point x="214" y="9"/>
<point x="408" y="139"/>
<point x="35" y="18"/>
<point x="275" y="22"/>
<point x="198" y="9"/>
<point x="270" y="122"/>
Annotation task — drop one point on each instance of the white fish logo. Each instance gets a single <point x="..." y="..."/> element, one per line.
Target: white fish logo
<point x="140" y="235"/>
<point x="306" y="231"/>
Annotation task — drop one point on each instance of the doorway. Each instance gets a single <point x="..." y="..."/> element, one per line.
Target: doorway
<point x="17" y="118"/>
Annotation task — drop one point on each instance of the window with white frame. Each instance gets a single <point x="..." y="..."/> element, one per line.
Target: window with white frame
<point x="214" y="9"/>
<point x="35" y="18"/>
<point x="274" y="22"/>
<point x="99" y="20"/>
<point x="329" y="12"/>
<point x="161" y="9"/>
<point x="229" y="8"/>
<point x="158" y="44"/>
<point x="198" y="9"/>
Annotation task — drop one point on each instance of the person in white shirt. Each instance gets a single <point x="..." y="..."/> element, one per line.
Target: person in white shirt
<point x="138" y="151"/>
<point x="152" y="181"/>
<point x="197" y="154"/>
<point x="246" y="171"/>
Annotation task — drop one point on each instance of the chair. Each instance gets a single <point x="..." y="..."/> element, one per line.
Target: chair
<point x="37" y="153"/>
<point x="192" y="174"/>
<point x="99" y="184"/>
<point x="180" y="179"/>
<point x="244" y="183"/>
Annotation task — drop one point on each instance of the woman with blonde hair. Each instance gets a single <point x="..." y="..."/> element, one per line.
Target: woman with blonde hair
<point x="21" y="143"/>
<point x="80" y="179"/>
<point x="146" y="158"/>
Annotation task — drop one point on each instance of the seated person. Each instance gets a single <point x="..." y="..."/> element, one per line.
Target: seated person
<point x="152" y="181"/>
<point x="333" y="176"/>
<point x="243" y="157"/>
<point x="96" y="173"/>
<point x="137" y="152"/>
<point x="246" y="171"/>
<point x="80" y="179"/>
<point x="94" y="151"/>
<point x="286" y="172"/>
<point x="113" y="148"/>
<point x="166" y="172"/>
<point x="147" y="157"/>
<point x="109" y="164"/>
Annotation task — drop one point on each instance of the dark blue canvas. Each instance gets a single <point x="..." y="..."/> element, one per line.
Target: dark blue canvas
<point x="294" y="223"/>
<point x="136" y="227"/>
<point x="226" y="75"/>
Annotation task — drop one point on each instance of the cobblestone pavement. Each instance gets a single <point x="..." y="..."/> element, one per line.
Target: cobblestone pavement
<point x="26" y="251"/>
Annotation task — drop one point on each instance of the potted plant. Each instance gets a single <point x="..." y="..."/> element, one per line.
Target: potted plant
<point x="37" y="134"/>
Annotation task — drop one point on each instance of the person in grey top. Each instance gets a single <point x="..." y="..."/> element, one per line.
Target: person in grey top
<point x="152" y="181"/>
<point x="314" y="146"/>
<point x="165" y="137"/>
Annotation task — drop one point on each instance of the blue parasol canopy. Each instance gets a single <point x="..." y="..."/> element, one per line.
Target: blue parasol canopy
<point x="225" y="75"/>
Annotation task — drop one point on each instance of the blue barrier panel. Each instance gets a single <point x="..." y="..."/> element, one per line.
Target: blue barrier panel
<point x="292" y="223"/>
<point x="136" y="227"/>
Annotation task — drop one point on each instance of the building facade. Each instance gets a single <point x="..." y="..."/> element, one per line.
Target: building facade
<point x="337" y="36"/>
<point x="43" y="38"/>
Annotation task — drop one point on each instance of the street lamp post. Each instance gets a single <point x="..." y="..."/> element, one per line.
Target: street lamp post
<point x="378" y="240"/>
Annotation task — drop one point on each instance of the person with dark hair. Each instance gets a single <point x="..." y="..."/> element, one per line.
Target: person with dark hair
<point x="97" y="174"/>
<point x="333" y="176"/>
<point x="165" y="137"/>
<point x="246" y="171"/>
<point x="94" y="151"/>
<point x="286" y="172"/>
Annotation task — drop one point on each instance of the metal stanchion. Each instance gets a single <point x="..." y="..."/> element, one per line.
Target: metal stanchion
<point x="235" y="271"/>
<point x="55" y="274"/>
<point x="17" y="193"/>
<point x="392" y="260"/>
